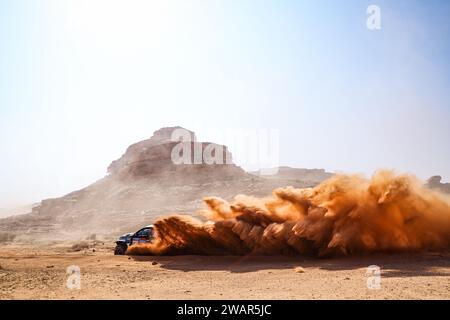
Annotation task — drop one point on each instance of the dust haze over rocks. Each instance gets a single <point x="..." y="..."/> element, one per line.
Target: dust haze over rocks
<point x="142" y="185"/>
<point x="6" y="212"/>
<point x="313" y="176"/>
<point x="435" y="183"/>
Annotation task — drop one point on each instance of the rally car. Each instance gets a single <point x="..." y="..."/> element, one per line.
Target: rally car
<point x="144" y="235"/>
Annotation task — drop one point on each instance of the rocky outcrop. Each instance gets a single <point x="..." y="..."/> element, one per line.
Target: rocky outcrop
<point x="154" y="157"/>
<point x="435" y="183"/>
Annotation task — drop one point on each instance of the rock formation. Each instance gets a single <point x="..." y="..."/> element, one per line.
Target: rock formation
<point x="153" y="157"/>
<point x="435" y="183"/>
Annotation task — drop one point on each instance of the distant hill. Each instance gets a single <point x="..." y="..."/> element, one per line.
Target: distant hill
<point x="7" y="212"/>
<point x="313" y="176"/>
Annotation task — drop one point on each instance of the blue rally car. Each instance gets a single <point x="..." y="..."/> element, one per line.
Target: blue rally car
<point x="144" y="235"/>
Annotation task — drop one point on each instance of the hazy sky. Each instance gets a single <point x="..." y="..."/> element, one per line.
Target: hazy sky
<point x="82" y="80"/>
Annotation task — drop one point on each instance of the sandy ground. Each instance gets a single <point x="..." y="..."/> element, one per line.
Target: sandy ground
<point x="28" y="272"/>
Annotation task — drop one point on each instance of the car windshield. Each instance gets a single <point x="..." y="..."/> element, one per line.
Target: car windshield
<point x="144" y="233"/>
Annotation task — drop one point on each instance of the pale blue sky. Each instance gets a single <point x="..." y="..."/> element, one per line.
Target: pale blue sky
<point x="82" y="80"/>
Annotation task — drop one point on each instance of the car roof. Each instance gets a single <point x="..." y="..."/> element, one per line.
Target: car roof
<point x="148" y="226"/>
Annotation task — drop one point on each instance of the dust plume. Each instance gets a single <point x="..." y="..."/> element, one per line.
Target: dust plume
<point x="346" y="214"/>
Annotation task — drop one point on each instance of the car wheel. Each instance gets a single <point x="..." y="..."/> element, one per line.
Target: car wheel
<point x="120" y="250"/>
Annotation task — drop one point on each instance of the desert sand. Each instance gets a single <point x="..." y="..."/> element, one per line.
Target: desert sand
<point x="39" y="272"/>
